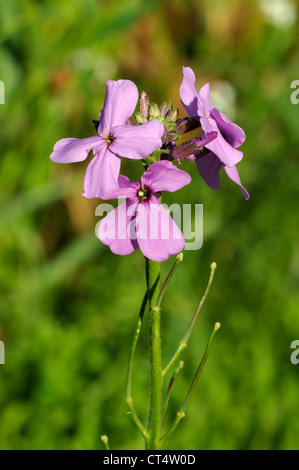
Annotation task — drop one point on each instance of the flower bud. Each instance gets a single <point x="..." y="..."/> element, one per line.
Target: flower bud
<point x="154" y="111"/>
<point x="144" y="105"/>
<point x="172" y="114"/>
<point x="170" y="125"/>
<point x="139" y="118"/>
<point x="165" y="108"/>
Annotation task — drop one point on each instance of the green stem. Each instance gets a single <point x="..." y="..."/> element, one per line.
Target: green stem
<point x="172" y="380"/>
<point x="184" y="341"/>
<point x="179" y="258"/>
<point x="156" y="382"/>
<point x="133" y="347"/>
<point x="129" y="398"/>
<point x="181" y="413"/>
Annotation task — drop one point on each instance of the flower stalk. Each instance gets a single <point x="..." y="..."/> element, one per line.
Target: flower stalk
<point x="181" y="413"/>
<point x="129" y="399"/>
<point x="184" y="341"/>
<point x="156" y="381"/>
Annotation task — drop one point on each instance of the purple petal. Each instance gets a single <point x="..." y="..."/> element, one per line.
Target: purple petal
<point x="74" y="150"/>
<point x="120" y="103"/>
<point x="158" y="236"/>
<point x="234" y="134"/>
<point x="209" y="167"/>
<point x="101" y="175"/>
<point x="233" y="174"/>
<point x="126" y="189"/>
<point x="206" y="139"/>
<point x="164" y="176"/>
<point x="204" y="96"/>
<point x="137" y="142"/>
<point x="189" y="95"/>
<point x="114" y="228"/>
<point x="224" y="151"/>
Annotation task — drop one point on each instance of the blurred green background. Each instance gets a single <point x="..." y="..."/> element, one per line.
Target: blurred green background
<point x="68" y="306"/>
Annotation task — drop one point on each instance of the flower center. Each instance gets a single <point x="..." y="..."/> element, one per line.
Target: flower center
<point x="143" y="193"/>
<point x="109" y="139"/>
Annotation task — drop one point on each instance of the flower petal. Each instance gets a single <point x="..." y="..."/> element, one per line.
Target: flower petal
<point x="164" y="176"/>
<point x="158" y="236"/>
<point x="137" y="141"/>
<point x="209" y="167"/>
<point x="113" y="231"/>
<point x="204" y="97"/>
<point x="224" y="151"/>
<point x="101" y="175"/>
<point x="189" y="95"/>
<point x="74" y="150"/>
<point x="120" y="103"/>
<point x="234" y="134"/>
<point x="233" y="174"/>
<point x="126" y="189"/>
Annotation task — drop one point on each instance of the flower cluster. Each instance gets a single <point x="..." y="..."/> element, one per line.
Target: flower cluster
<point x="151" y="135"/>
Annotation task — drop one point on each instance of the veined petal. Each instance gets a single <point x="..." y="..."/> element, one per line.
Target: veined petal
<point x="224" y="151"/>
<point x="126" y="189"/>
<point x="189" y="95"/>
<point x="120" y="103"/>
<point x="209" y="167"/>
<point x="114" y="231"/>
<point x="101" y="175"/>
<point x="233" y="174"/>
<point x="164" y="176"/>
<point x="137" y="142"/>
<point x="234" y="134"/>
<point x="158" y="236"/>
<point x="204" y="97"/>
<point x="74" y="150"/>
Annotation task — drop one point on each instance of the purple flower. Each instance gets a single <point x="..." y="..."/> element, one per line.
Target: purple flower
<point x="142" y="220"/>
<point x="115" y="139"/>
<point x="222" y="150"/>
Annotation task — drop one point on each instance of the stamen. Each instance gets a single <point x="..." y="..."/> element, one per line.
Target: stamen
<point x="143" y="193"/>
<point x="110" y="139"/>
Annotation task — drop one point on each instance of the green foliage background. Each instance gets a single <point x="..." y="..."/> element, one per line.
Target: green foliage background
<point x="68" y="306"/>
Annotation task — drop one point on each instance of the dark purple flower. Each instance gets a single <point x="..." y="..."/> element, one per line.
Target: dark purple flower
<point x="115" y="139"/>
<point x="142" y="220"/>
<point x="222" y="150"/>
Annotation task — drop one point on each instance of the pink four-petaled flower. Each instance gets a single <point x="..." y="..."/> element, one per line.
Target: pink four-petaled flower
<point x="142" y="220"/>
<point x="115" y="139"/>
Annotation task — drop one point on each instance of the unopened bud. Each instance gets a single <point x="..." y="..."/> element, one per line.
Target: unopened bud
<point x="170" y="125"/>
<point x="172" y="114"/>
<point x="144" y="105"/>
<point x="173" y="135"/>
<point x="165" y="108"/>
<point x="154" y="111"/>
<point x="139" y="118"/>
